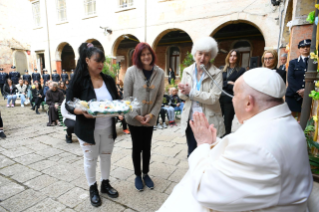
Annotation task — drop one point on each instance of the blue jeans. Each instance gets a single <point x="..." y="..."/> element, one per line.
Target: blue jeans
<point x="180" y="107"/>
<point x="22" y="97"/>
<point x="13" y="98"/>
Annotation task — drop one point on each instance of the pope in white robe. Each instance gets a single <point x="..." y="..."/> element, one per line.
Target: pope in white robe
<point x="263" y="166"/>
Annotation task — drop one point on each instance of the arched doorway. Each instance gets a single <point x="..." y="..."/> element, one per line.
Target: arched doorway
<point x="243" y="36"/>
<point x="68" y="58"/>
<point x="20" y="61"/>
<point x="96" y="43"/>
<point x="171" y="47"/>
<point x="123" y="50"/>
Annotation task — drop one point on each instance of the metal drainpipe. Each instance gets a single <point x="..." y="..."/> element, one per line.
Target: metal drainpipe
<point x="310" y="76"/>
<point x="280" y="25"/>
<point x="145" y="21"/>
<point x="46" y="14"/>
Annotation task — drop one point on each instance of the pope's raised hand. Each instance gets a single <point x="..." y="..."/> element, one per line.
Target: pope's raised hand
<point x="203" y="132"/>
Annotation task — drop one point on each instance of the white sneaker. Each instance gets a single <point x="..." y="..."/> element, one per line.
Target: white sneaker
<point x="22" y="105"/>
<point x="164" y="125"/>
<point x="159" y="126"/>
<point x="154" y="128"/>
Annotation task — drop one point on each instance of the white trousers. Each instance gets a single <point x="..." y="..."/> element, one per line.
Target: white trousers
<point x="103" y="147"/>
<point x="170" y="113"/>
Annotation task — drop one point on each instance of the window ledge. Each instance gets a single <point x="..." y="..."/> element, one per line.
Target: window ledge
<point x="125" y="9"/>
<point x="62" y="22"/>
<point x="90" y="16"/>
<point x="39" y="27"/>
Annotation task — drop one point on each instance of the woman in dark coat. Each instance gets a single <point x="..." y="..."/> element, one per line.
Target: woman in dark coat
<point x="54" y="98"/>
<point x="37" y="96"/>
<point x="231" y="72"/>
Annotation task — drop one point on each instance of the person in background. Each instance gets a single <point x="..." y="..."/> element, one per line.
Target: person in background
<point x="72" y="74"/>
<point x="64" y="76"/>
<point x="96" y="135"/>
<point x="171" y="75"/>
<point x="144" y="81"/>
<point x="3" y="79"/>
<point x="37" y="96"/>
<point x="162" y="113"/>
<point x="247" y="68"/>
<point x="62" y="87"/>
<point x="10" y="91"/>
<point x="67" y="83"/>
<point x="283" y="60"/>
<point x="270" y="60"/>
<point x="69" y="121"/>
<point x="55" y="77"/>
<point x="54" y="98"/>
<point x="28" y="89"/>
<point x="176" y="102"/>
<point x="2" y="135"/>
<point x="231" y="72"/>
<point x="46" y="77"/>
<point x="22" y="91"/>
<point x="46" y="88"/>
<point x="296" y="78"/>
<point x="166" y="105"/>
<point x="36" y="76"/>
<point x="14" y="75"/>
<point x="26" y="76"/>
<point x="198" y="91"/>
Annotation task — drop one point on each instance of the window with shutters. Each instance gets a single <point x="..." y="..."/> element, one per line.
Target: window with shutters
<point x="61" y="10"/>
<point x="125" y="3"/>
<point x="89" y="7"/>
<point x="36" y="13"/>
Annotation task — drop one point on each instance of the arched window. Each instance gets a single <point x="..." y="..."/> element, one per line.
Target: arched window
<point x="21" y="61"/>
<point x="174" y="60"/>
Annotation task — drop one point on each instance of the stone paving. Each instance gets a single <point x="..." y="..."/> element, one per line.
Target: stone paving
<point x="39" y="171"/>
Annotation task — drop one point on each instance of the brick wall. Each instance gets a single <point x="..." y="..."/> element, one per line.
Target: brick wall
<point x="299" y="33"/>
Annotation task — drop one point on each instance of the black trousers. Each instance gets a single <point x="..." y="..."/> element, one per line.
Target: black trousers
<point x="37" y="101"/>
<point x="141" y="140"/>
<point x="1" y="123"/>
<point x="162" y="113"/>
<point x="124" y="124"/>
<point x="70" y="124"/>
<point x="228" y="111"/>
<point x="191" y="142"/>
<point x="1" y="85"/>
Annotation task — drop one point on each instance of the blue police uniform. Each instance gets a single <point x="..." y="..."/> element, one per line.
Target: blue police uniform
<point x="27" y="77"/>
<point x="36" y="77"/>
<point x="3" y="78"/>
<point x="56" y="77"/>
<point x="296" y="81"/>
<point x="14" y="76"/>
<point x="64" y="77"/>
<point x="45" y="77"/>
<point x="71" y="75"/>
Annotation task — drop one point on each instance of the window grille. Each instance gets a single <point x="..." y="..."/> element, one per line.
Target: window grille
<point x="89" y="7"/>
<point x="125" y="3"/>
<point x="36" y="13"/>
<point x="61" y="10"/>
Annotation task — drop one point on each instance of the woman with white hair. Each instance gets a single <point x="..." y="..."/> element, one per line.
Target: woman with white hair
<point x="198" y="90"/>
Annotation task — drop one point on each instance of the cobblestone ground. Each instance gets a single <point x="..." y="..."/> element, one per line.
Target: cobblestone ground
<point x="39" y="171"/>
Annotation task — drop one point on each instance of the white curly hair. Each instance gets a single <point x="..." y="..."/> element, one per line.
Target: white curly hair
<point x="205" y="44"/>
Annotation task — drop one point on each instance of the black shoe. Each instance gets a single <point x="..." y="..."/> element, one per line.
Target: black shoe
<point x="36" y="110"/>
<point x="68" y="139"/>
<point x="33" y="107"/>
<point x="95" y="196"/>
<point x="108" y="189"/>
<point x="2" y="135"/>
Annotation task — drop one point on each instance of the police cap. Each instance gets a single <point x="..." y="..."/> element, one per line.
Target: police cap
<point x="306" y="42"/>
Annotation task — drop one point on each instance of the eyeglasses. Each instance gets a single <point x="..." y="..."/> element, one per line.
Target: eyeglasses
<point x="268" y="58"/>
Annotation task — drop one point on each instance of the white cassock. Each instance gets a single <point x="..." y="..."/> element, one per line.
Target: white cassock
<point x="263" y="166"/>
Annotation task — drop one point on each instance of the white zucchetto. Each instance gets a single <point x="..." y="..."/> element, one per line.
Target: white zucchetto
<point x="266" y="81"/>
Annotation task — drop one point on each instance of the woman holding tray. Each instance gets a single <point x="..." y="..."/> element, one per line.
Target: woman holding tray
<point x="96" y="135"/>
<point x="144" y="81"/>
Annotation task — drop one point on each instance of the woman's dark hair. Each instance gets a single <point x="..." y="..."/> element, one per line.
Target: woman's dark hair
<point x="8" y="81"/>
<point x="86" y="50"/>
<point x="39" y="84"/>
<point x="137" y="55"/>
<point x="67" y="81"/>
<point x="24" y="81"/>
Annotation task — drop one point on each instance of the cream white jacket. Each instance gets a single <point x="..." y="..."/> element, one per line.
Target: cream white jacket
<point x="263" y="166"/>
<point x="208" y="98"/>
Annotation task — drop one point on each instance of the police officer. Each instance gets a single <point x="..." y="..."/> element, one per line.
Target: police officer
<point x="64" y="76"/>
<point x="36" y="76"/>
<point x="3" y="78"/>
<point x="14" y="75"/>
<point x="27" y="76"/>
<point x="55" y="76"/>
<point x="296" y="78"/>
<point x="72" y="74"/>
<point x="46" y="77"/>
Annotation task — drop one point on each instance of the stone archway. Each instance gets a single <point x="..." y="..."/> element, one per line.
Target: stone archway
<point x="243" y="36"/>
<point x="96" y="43"/>
<point x="65" y="58"/>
